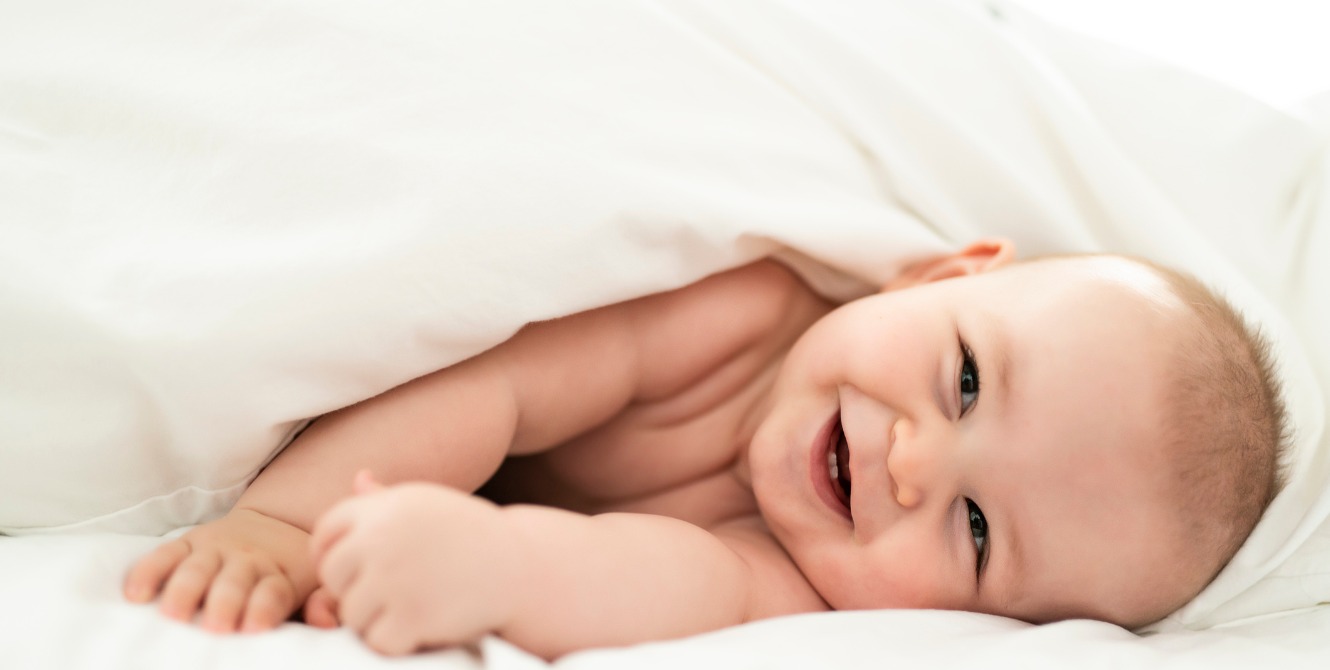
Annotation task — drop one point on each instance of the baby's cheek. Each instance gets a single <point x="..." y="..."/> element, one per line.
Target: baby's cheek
<point x="902" y="583"/>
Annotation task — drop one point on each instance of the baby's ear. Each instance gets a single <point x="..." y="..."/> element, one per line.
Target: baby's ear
<point x="980" y="256"/>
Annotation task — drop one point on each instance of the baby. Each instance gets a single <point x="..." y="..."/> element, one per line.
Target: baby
<point x="1081" y="436"/>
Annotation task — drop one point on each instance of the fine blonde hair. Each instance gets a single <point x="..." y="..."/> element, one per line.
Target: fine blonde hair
<point x="1228" y="429"/>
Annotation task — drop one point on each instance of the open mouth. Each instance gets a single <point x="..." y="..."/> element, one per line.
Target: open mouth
<point x="831" y="468"/>
<point x="838" y="463"/>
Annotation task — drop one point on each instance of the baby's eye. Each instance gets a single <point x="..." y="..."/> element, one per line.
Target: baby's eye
<point x="978" y="530"/>
<point x="968" y="381"/>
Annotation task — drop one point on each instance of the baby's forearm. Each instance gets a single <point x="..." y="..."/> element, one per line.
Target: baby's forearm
<point x="618" y="579"/>
<point x="418" y="566"/>
<point x="548" y="383"/>
<point x="451" y="427"/>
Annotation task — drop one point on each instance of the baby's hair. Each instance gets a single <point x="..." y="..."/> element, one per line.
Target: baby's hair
<point x="1227" y="427"/>
<point x="1226" y="430"/>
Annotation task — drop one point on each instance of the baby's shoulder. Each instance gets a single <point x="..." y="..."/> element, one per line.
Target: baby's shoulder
<point x="758" y="299"/>
<point x="759" y="307"/>
<point x="758" y="284"/>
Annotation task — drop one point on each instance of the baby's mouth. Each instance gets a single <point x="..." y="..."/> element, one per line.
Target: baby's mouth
<point x="838" y="464"/>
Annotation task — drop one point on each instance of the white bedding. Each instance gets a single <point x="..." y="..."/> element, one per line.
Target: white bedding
<point x="220" y="218"/>
<point x="62" y="610"/>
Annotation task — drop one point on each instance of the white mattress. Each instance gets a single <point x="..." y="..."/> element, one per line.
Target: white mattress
<point x="220" y="218"/>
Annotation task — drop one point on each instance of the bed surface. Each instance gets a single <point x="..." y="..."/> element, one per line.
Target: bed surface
<point x="72" y="618"/>
<point x="220" y="218"/>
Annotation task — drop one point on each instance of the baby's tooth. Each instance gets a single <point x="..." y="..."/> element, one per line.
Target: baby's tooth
<point x="831" y="464"/>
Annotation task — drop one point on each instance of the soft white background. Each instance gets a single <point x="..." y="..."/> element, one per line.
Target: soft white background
<point x="61" y="608"/>
<point x="1277" y="50"/>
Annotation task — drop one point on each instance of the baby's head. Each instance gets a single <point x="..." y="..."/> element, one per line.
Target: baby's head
<point x="1073" y="436"/>
<point x="1222" y="433"/>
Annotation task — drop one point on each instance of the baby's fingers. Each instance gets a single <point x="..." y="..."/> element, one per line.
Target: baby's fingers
<point x="389" y="637"/>
<point x="339" y="568"/>
<point x="145" y="579"/>
<point x="321" y="610"/>
<point x="230" y="590"/>
<point x="331" y="528"/>
<point x="337" y="522"/>
<point x="191" y="579"/>
<point x="271" y="602"/>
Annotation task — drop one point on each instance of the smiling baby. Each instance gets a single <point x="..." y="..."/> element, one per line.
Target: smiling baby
<point x="1078" y="436"/>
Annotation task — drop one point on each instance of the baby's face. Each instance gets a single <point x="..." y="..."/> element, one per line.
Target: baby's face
<point x="1000" y="447"/>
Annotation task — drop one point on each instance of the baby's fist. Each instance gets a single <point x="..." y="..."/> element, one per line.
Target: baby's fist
<point x="416" y="565"/>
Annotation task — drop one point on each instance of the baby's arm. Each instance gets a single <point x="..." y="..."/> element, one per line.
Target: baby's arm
<point x="251" y="569"/>
<point x="550" y="382"/>
<point x="420" y="566"/>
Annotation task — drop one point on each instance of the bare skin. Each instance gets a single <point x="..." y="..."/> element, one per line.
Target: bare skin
<point x="666" y="452"/>
<point x="645" y="382"/>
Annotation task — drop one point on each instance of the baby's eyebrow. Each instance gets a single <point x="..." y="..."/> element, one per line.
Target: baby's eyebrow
<point x="997" y="348"/>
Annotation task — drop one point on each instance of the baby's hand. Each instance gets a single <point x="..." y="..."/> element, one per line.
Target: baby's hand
<point x="246" y="571"/>
<point x="416" y="566"/>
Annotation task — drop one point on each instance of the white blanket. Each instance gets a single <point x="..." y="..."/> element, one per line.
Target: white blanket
<point x="220" y="218"/>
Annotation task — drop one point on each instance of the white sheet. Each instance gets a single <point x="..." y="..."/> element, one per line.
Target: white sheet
<point x="64" y="612"/>
<point x="219" y="218"/>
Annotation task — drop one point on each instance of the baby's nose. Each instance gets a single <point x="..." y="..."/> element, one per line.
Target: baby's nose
<point x="907" y="465"/>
